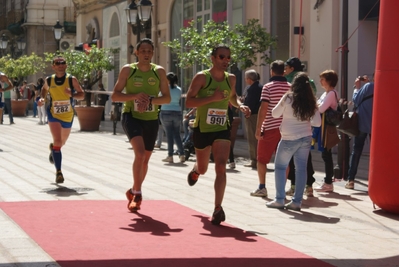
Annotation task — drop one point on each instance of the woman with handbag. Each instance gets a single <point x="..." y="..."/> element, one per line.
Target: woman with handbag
<point x="328" y="136"/>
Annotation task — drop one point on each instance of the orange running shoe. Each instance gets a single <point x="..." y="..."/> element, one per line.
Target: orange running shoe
<point x="134" y="201"/>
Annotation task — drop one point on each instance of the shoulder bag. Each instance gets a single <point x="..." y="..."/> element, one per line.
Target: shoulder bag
<point x="334" y="117"/>
<point x="350" y="124"/>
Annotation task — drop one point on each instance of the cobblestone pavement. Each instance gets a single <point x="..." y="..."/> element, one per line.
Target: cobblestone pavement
<point x="342" y="228"/>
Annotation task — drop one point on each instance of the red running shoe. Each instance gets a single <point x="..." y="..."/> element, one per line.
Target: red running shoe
<point x="192" y="178"/>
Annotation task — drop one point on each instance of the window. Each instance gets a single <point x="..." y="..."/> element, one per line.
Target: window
<point x="280" y="17"/>
<point x="219" y="12"/>
<point x="114" y="30"/>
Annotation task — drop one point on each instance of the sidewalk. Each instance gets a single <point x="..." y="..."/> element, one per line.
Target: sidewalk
<point x="341" y="228"/>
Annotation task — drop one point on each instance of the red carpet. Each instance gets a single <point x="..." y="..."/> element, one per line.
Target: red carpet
<point x="104" y="233"/>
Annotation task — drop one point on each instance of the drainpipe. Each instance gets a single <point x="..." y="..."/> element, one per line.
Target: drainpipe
<point x="300" y="31"/>
<point x="341" y="169"/>
<point x="156" y="28"/>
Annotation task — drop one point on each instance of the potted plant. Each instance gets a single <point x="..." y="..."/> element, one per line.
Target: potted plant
<point x="248" y="43"/>
<point x="88" y="67"/>
<point x="18" y="69"/>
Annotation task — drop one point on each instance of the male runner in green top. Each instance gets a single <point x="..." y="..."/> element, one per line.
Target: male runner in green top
<point x="210" y="92"/>
<point x="143" y="81"/>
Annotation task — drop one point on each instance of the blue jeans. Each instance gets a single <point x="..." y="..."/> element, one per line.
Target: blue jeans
<point x="299" y="150"/>
<point x="7" y="106"/>
<point x="171" y="121"/>
<point x="358" y="144"/>
<point x="34" y="108"/>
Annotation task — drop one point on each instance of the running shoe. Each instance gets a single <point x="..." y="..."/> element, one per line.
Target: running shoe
<point x="293" y="206"/>
<point x="350" y="185"/>
<point x="59" y="178"/>
<point x="168" y="159"/>
<point x="134" y="201"/>
<point x="259" y="192"/>
<point x="218" y="216"/>
<point x="325" y="188"/>
<point x="275" y="205"/>
<point x="192" y="177"/>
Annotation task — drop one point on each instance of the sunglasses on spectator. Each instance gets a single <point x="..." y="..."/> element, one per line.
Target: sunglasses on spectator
<point x="223" y="57"/>
<point x="60" y="63"/>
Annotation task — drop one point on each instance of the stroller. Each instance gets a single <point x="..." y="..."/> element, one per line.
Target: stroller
<point x="188" y="144"/>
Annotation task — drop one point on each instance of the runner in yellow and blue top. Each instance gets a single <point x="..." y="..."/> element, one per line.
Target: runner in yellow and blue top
<point x="142" y="82"/>
<point x="210" y="92"/>
<point x="60" y="111"/>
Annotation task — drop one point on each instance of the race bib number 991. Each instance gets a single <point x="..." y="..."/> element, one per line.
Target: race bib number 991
<point x="60" y="107"/>
<point x="216" y="116"/>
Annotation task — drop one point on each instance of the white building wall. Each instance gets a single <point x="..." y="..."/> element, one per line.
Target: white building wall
<point x="324" y="40"/>
<point x="353" y="44"/>
<point x="367" y="48"/>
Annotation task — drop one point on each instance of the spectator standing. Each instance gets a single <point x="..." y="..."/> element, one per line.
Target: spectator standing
<point x="25" y="93"/>
<point x="252" y="100"/>
<point x="329" y="99"/>
<point x="1" y="105"/>
<point x="158" y="142"/>
<point x="171" y="117"/>
<point x="299" y="110"/>
<point x="142" y="81"/>
<point x="102" y="99"/>
<point x="267" y="128"/>
<point x="41" y="110"/>
<point x="292" y="66"/>
<point x="6" y="87"/>
<point x="186" y="121"/>
<point x="363" y="101"/>
<point x="210" y="92"/>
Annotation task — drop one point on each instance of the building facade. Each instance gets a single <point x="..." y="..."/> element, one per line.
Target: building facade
<point x="309" y="29"/>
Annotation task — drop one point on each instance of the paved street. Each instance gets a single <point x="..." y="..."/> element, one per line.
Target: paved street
<point x="342" y="228"/>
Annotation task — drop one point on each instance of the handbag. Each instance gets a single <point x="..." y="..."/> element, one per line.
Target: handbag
<point x="331" y="138"/>
<point x="350" y="124"/>
<point x="334" y="117"/>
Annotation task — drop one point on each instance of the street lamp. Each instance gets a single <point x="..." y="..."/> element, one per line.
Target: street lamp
<point x="138" y="14"/>
<point x="4" y="41"/>
<point x="21" y="44"/>
<point x="58" y="29"/>
<point x="16" y="46"/>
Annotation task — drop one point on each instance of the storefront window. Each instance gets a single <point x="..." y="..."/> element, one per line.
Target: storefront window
<point x="219" y="10"/>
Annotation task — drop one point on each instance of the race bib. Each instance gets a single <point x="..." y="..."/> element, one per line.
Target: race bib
<point x="60" y="107"/>
<point x="216" y="116"/>
<point x="149" y="108"/>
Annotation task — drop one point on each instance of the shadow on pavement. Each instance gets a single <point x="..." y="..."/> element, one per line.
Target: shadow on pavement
<point x="63" y="191"/>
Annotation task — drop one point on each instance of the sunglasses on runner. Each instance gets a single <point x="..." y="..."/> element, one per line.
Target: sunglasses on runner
<point x="223" y="57"/>
<point x="60" y="63"/>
